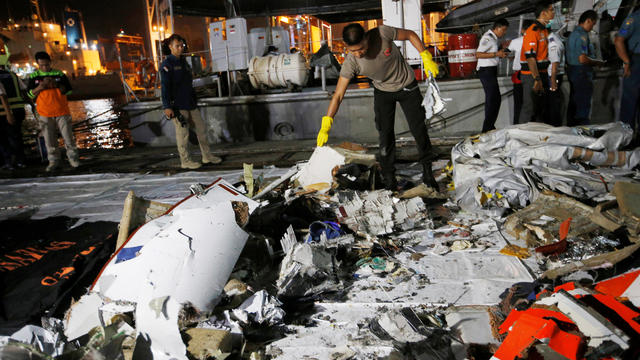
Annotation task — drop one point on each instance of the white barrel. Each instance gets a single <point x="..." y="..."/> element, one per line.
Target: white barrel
<point x="275" y="71"/>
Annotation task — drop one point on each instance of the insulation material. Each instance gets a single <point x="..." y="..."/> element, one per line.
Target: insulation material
<point x="377" y="213"/>
<point x="504" y="168"/>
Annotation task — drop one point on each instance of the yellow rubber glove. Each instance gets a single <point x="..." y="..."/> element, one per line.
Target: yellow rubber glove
<point x="430" y="66"/>
<point x="323" y="134"/>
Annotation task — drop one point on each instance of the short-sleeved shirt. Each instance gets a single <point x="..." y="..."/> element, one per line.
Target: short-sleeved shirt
<point x="383" y="63"/>
<point x="579" y="44"/>
<point x="535" y="44"/>
<point x="556" y="53"/>
<point x="630" y="30"/>
<point x="488" y="44"/>
<point x="515" y="46"/>
<point x="50" y="102"/>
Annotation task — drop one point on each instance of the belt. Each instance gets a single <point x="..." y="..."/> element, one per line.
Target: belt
<point x="542" y="65"/>
<point x="414" y="85"/>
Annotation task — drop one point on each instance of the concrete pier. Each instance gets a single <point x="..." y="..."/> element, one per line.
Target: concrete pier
<point x="291" y="116"/>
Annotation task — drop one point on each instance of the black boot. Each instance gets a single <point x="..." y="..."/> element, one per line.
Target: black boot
<point x="427" y="176"/>
<point x="390" y="182"/>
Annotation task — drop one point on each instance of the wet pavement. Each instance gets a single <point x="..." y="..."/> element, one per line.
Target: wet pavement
<point x="280" y="153"/>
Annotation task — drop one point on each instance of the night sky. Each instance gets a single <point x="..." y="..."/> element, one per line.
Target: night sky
<point x="104" y="18"/>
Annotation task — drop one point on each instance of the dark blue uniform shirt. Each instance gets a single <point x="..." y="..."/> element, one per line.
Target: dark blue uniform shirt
<point x="630" y="30"/>
<point x="177" y="87"/>
<point x="579" y="44"/>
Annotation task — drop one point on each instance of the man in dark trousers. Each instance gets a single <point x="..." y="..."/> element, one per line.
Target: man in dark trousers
<point x="534" y="61"/>
<point x="373" y="54"/>
<point x="628" y="48"/>
<point x="489" y="54"/>
<point x="12" y="114"/>
<point x="581" y="60"/>
<point x="555" y="96"/>
<point x="515" y="46"/>
<point x="179" y="104"/>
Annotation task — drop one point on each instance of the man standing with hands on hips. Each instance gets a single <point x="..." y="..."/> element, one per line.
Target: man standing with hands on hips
<point x="373" y="54"/>
<point x="489" y="55"/>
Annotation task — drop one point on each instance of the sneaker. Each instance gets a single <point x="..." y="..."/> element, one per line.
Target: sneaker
<point x="20" y="165"/>
<point x="52" y="166"/>
<point x="189" y="164"/>
<point x="7" y="167"/>
<point x="74" y="163"/>
<point x="211" y="159"/>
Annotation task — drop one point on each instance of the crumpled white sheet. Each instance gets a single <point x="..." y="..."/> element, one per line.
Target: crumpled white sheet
<point x="433" y="103"/>
<point x="516" y="161"/>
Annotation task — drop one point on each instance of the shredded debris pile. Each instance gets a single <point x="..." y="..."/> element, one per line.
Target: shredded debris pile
<point x="532" y="254"/>
<point x="507" y="167"/>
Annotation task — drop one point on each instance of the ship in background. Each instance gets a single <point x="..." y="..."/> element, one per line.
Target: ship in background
<point x="89" y="64"/>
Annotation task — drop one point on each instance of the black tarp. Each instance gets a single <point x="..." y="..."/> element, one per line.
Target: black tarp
<point x="44" y="263"/>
